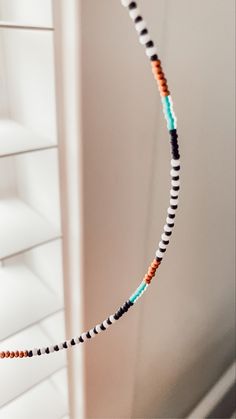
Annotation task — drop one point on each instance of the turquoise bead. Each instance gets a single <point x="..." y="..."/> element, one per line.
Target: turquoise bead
<point x="138" y="291"/>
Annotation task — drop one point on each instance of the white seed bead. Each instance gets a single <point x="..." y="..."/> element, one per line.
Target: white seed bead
<point x="35" y="351"/>
<point x="134" y="13"/>
<point x="125" y="3"/>
<point x="165" y="237"/>
<point x="91" y="332"/>
<point x="174" y="172"/>
<point x="84" y="337"/>
<point x="112" y="318"/>
<point x="175" y="182"/>
<point x="140" y="25"/>
<point x="76" y="340"/>
<point x="143" y="39"/>
<point x="170" y="220"/>
<point x="51" y="348"/>
<point x="174" y="201"/>
<point x="98" y="328"/>
<point x="151" y="51"/>
<point x="171" y="211"/>
<point x="159" y="254"/>
<point x="175" y="163"/>
<point x="106" y="325"/>
<point x="167" y="228"/>
<point x="174" y="193"/>
<point x="162" y="245"/>
<point x="43" y="350"/>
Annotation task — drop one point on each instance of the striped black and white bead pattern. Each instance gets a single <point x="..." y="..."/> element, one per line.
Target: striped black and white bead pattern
<point x="84" y="336"/>
<point x="145" y="39"/>
<point x="141" y="28"/>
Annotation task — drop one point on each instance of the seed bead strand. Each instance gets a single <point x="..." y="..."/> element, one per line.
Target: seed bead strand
<point x="151" y="52"/>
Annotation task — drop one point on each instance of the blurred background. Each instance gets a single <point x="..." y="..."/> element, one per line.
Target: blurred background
<point x="84" y="188"/>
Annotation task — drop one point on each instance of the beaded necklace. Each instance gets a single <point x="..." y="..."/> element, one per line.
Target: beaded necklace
<point x="151" y="52"/>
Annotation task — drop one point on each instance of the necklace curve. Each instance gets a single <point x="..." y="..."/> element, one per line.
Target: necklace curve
<point x="151" y="52"/>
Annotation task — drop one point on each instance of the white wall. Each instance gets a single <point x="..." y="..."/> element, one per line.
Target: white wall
<point x="160" y="359"/>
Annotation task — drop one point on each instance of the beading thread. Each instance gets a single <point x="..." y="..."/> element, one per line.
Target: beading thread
<point x="151" y="52"/>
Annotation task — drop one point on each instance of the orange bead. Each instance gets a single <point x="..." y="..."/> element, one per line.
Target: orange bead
<point x="2" y="354"/>
<point x="12" y="354"/>
<point x="7" y="354"/>
<point x="21" y="354"/>
<point x="167" y="93"/>
<point x="16" y="354"/>
<point x="25" y="354"/>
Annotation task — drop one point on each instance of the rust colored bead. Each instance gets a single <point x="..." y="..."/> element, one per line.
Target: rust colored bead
<point x="167" y="93"/>
<point x="16" y="354"/>
<point x="12" y="354"/>
<point x="21" y="354"/>
<point x="147" y="279"/>
<point x="7" y="354"/>
<point x="2" y="354"/>
<point x="155" y="264"/>
<point x="164" y="88"/>
<point x="151" y="272"/>
<point x="25" y="354"/>
<point x="156" y="63"/>
<point x="162" y="82"/>
<point x="161" y="76"/>
<point x="155" y="72"/>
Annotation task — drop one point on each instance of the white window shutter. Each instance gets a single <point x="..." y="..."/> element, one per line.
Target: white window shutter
<point x="32" y="248"/>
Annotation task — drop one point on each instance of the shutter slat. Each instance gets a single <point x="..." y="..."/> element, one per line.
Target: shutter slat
<point x="22" y="374"/>
<point x="26" y="226"/>
<point x="16" y="139"/>
<point x="30" y="299"/>
<point x="42" y="401"/>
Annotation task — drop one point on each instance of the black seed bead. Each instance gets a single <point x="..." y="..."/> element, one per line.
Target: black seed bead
<point x="175" y="188"/>
<point x="173" y="132"/>
<point x="165" y="241"/>
<point x="116" y="316"/>
<point x="154" y="57"/>
<point x="168" y="233"/>
<point x="158" y="259"/>
<point x="138" y="19"/>
<point x="175" y="177"/>
<point x="39" y="352"/>
<point x="102" y="326"/>
<point x="72" y="341"/>
<point x="130" y="303"/>
<point x="109" y="321"/>
<point x="81" y="339"/>
<point x="88" y="335"/>
<point x="170" y="225"/>
<point x="149" y="44"/>
<point x="47" y="350"/>
<point x="30" y="353"/>
<point x="171" y="215"/>
<point x="176" y="167"/>
<point x="174" y="206"/>
<point x="174" y="197"/>
<point x="56" y="348"/>
<point x="65" y="345"/>
<point x="162" y="250"/>
<point x="121" y="311"/>
<point x="143" y="32"/>
<point x="95" y="331"/>
<point x="132" y="5"/>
